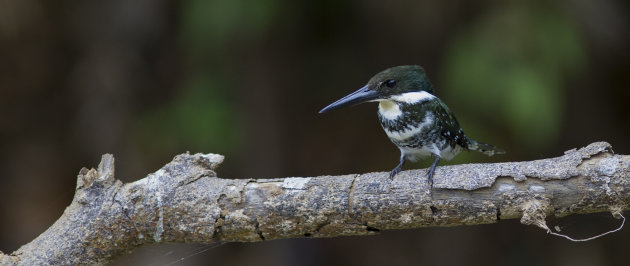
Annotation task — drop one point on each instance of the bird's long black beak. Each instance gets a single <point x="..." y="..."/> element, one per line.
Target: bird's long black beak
<point x="360" y="96"/>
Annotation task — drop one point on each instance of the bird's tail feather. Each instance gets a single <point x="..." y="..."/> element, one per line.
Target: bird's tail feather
<point x="484" y="148"/>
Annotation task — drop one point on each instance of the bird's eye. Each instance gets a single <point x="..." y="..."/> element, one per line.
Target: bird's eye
<point x="390" y="83"/>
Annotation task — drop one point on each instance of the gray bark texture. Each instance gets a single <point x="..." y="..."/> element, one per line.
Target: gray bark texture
<point x="186" y="202"/>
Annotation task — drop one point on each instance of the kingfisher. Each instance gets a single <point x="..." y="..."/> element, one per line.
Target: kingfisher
<point x="414" y="119"/>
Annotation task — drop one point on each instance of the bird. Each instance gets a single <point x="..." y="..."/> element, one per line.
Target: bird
<point x="414" y="119"/>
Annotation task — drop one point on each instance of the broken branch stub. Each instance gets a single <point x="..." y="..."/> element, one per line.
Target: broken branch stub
<point x="186" y="202"/>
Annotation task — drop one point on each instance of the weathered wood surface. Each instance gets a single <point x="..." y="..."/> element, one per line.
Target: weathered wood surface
<point x="185" y="202"/>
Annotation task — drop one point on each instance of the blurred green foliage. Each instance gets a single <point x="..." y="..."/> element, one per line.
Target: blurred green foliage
<point x="510" y="64"/>
<point x="203" y="115"/>
<point x="207" y="26"/>
<point x="198" y="119"/>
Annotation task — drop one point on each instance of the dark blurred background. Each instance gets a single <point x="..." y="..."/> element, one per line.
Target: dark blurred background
<point x="147" y="80"/>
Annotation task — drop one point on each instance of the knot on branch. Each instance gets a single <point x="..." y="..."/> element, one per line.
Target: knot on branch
<point x="104" y="174"/>
<point x="209" y="160"/>
<point x="94" y="182"/>
<point x="535" y="211"/>
<point x="186" y="168"/>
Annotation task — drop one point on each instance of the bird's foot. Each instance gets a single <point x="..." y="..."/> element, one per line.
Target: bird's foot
<point x="398" y="167"/>
<point x="431" y="171"/>
<point x="430" y="177"/>
<point x="394" y="172"/>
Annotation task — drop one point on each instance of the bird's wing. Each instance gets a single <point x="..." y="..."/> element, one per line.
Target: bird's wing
<point x="446" y="121"/>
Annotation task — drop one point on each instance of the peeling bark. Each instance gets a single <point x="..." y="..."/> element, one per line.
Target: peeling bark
<point x="186" y="202"/>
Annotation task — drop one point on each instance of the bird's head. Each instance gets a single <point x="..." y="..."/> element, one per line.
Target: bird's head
<point x="392" y="83"/>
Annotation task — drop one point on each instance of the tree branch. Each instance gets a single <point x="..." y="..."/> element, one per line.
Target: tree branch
<point x="185" y="202"/>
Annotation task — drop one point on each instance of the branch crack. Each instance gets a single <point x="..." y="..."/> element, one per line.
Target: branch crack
<point x="351" y="193"/>
<point x="258" y="231"/>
